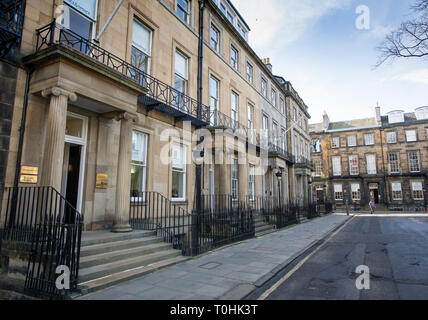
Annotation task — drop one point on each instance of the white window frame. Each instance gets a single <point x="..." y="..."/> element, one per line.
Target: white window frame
<point x="214" y="100"/>
<point x="369" y="139"/>
<point x="338" y="192"/>
<point x="217" y="47"/>
<point x="143" y="165"/>
<point x="189" y="12"/>
<point x="415" y="161"/>
<point x="273" y="97"/>
<point x="234" y="112"/>
<point x="251" y="182"/>
<point x="418" y="191"/>
<point x="249" y="76"/>
<point x="336" y="165"/>
<point x="354" y="171"/>
<point x="263" y="87"/>
<point x="140" y="49"/>
<point x="397" y="154"/>
<point x="413" y="137"/>
<point x="235" y="180"/>
<point x="356" y="191"/>
<point x="318" y="167"/>
<point x="395" y="191"/>
<point x="183" y="171"/>
<point x="234" y="64"/>
<point x="335" y="142"/>
<point x="371" y="165"/>
<point x="352" y="141"/>
<point x="184" y="77"/>
<point x="391" y="137"/>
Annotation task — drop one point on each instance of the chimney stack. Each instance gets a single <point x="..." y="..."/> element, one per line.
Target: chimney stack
<point x="266" y="61"/>
<point x="378" y="115"/>
<point x="325" y="121"/>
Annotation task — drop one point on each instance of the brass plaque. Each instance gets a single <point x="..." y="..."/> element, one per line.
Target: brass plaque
<point x="102" y="181"/>
<point x="29" y="170"/>
<point x="28" y="179"/>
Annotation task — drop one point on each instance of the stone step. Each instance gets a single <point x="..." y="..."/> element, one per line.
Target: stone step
<point x="107" y="269"/>
<point x="117" y="245"/>
<point x="264" y="228"/>
<point x="98" y="237"/>
<point x="125" y="275"/>
<point x="263" y="233"/>
<point x="120" y="254"/>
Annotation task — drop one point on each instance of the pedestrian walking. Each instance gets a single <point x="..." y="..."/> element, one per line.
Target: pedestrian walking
<point x="372" y="206"/>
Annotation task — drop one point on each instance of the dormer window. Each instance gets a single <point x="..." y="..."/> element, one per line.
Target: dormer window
<point x="422" y="113"/>
<point x="396" y="117"/>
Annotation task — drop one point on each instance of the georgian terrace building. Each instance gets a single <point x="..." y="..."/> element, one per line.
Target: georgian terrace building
<point x="381" y="158"/>
<point x="95" y="112"/>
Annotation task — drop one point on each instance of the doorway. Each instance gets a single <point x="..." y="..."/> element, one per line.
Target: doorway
<point x="71" y="175"/>
<point x="374" y="192"/>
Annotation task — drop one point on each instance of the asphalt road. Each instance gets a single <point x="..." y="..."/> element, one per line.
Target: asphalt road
<point x="394" y="248"/>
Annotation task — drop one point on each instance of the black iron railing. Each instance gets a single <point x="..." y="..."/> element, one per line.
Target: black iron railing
<point x="158" y="94"/>
<point x="11" y="24"/>
<point x="40" y="221"/>
<point x="220" y="222"/>
<point x="220" y="120"/>
<point x="275" y="149"/>
<point x="304" y="161"/>
<point x="271" y="210"/>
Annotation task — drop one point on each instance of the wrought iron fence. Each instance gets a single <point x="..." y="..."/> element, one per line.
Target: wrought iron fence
<point x="273" y="148"/>
<point x="221" y="221"/>
<point x="53" y="34"/>
<point x="41" y="222"/>
<point x="273" y="211"/>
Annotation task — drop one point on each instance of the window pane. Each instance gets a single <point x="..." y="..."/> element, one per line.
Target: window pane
<point x="74" y="127"/>
<point x="137" y="180"/>
<point x="181" y="65"/>
<point x="391" y="137"/>
<point x="139" y="141"/>
<point x="77" y="23"/>
<point x="411" y="135"/>
<point x="141" y="37"/>
<point x="371" y="164"/>
<point x="177" y="184"/>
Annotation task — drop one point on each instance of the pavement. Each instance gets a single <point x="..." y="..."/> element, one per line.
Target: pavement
<point x="394" y="247"/>
<point x="230" y="273"/>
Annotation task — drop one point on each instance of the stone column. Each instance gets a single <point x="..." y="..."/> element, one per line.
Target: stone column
<point x="55" y="134"/>
<point x="121" y="219"/>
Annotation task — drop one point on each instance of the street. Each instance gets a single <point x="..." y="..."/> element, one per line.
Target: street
<point x="395" y="249"/>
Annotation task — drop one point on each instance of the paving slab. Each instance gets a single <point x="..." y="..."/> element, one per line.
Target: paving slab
<point x="228" y="273"/>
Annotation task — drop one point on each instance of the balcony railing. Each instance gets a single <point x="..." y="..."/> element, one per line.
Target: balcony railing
<point x="304" y="161"/>
<point x="11" y="23"/>
<point x="220" y="120"/>
<point x="159" y="95"/>
<point x="275" y="149"/>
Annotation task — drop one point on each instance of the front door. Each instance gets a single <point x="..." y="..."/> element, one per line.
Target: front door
<point x="374" y="192"/>
<point x="72" y="159"/>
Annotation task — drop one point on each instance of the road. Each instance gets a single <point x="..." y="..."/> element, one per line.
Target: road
<point x="394" y="248"/>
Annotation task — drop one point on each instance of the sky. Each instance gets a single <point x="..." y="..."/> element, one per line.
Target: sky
<point x="316" y="45"/>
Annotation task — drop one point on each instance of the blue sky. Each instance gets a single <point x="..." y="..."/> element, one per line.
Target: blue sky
<point x="316" y="45"/>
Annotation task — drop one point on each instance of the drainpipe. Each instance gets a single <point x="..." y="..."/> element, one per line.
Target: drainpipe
<point x="198" y="173"/>
<point x="19" y="152"/>
<point x="386" y="195"/>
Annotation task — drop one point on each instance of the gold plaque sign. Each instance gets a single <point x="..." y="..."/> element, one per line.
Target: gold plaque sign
<point x="29" y="170"/>
<point x="102" y="181"/>
<point x="28" y="179"/>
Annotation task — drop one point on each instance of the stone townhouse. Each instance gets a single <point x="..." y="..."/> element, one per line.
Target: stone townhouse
<point x="300" y="142"/>
<point x="107" y="104"/>
<point x="380" y="158"/>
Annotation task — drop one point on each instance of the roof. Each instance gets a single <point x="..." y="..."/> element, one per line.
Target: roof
<point x="239" y="15"/>
<point x="345" y="125"/>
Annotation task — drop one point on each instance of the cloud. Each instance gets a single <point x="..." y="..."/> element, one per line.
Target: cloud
<point x="286" y="21"/>
<point x="417" y="76"/>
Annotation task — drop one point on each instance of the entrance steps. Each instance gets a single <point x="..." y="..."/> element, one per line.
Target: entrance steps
<point x="109" y="258"/>
<point x="262" y="227"/>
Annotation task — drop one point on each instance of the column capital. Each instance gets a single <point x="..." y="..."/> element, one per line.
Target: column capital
<point x="57" y="91"/>
<point x="126" y="116"/>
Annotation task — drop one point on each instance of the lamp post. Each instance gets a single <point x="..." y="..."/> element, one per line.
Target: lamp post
<point x="279" y="176"/>
<point x="309" y="194"/>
